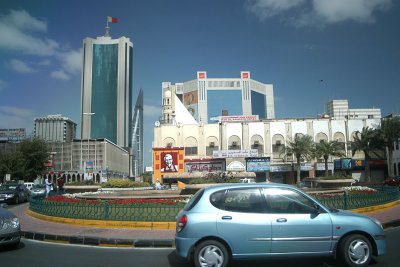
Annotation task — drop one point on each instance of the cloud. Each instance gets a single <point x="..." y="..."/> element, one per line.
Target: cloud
<point x="60" y="75"/>
<point x="17" y="29"/>
<point x="317" y="12"/>
<point x="18" y="117"/>
<point x="20" y="66"/>
<point x="71" y="60"/>
<point x="26" y="35"/>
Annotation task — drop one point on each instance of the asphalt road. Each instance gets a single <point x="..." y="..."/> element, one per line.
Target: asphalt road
<point x="42" y="254"/>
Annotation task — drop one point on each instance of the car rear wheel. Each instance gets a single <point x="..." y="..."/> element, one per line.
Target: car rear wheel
<point x="355" y="251"/>
<point x="211" y="253"/>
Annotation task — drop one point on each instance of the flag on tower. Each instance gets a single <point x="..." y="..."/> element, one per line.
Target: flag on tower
<point x="112" y="20"/>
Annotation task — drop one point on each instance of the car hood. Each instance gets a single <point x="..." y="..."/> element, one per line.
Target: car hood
<point x="7" y="192"/>
<point x="6" y="213"/>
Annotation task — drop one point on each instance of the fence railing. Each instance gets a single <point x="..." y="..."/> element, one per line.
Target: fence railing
<point x="155" y="212"/>
<point x="354" y="200"/>
<point x="105" y="211"/>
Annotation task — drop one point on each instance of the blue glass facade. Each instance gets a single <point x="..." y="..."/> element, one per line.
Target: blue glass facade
<point x="219" y="100"/>
<point x="258" y="104"/>
<point x="104" y="91"/>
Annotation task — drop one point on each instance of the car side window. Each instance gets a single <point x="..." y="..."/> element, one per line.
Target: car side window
<point x="282" y="200"/>
<point x="239" y="200"/>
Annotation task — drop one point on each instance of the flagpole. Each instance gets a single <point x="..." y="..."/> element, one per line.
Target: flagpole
<point x="107" y="34"/>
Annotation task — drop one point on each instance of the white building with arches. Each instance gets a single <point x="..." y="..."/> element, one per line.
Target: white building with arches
<point x="265" y="139"/>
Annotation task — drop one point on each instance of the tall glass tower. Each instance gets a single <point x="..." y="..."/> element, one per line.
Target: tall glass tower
<point x="137" y="137"/>
<point x="107" y="90"/>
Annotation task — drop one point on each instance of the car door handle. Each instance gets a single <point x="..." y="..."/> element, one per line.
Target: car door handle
<point x="281" y="220"/>
<point x="226" y="217"/>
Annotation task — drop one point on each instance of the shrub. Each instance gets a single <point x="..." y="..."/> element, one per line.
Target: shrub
<point x="123" y="183"/>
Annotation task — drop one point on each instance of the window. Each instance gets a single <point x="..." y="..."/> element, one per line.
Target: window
<point x="288" y="201"/>
<point x="190" y="151"/>
<point x="210" y="149"/>
<point x="239" y="200"/>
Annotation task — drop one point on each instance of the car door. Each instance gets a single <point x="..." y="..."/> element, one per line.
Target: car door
<point x="243" y="222"/>
<point x="297" y="226"/>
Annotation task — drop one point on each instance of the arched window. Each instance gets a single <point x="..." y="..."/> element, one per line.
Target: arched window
<point x="321" y="137"/>
<point x="190" y="146"/>
<point x="257" y="142"/>
<point x="278" y="146"/>
<point x="211" y="145"/>
<point x="169" y="142"/>
<point x="234" y="143"/>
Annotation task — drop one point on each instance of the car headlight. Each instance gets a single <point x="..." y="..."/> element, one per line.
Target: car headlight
<point x="377" y="222"/>
<point x="9" y="195"/>
<point x="10" y="223"/>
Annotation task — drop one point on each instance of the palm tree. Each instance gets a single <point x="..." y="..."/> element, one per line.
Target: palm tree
<point x="367" y="141"/>
<point x="390" y="129"/>
<point x="302" y="147"/>
<point x="327" y="149"/>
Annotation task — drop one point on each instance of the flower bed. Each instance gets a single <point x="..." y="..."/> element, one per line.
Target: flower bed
<point x="126" y="201"/>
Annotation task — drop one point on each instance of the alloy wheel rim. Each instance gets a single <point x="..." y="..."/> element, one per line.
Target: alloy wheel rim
<point x="211" y="256"/>
<point x="358" y="251"/>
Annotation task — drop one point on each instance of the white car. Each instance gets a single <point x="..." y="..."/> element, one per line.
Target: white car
<point x="29" y="185"/>
<point x="247" y="180"/>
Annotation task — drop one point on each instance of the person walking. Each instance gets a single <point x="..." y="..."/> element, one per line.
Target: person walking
<point x="48" y="186"/>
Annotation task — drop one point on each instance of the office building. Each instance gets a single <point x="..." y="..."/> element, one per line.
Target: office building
<point x="205" y="100"/>
<point x="339" y="109"/>
<point x="55" y="128"/>
<point x="137" y="137"/>
<point x="106" y="101"/>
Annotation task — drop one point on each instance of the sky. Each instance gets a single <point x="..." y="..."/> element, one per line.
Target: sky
<point x="311" y="51"/>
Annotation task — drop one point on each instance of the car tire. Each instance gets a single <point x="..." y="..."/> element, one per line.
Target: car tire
<point x="16" y="201"/>
<point x="355" y="251"/>
<point x="211" y="253"/>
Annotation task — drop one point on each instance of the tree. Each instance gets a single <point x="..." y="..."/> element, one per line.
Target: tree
<point x="327" y="149"/>
<point x="390" y="130"/>
<point x="302" y="147"/>
<point x="27" y="162"/>
<point x="35" y="153"/>
<point x="367" y="141"/>
<point x="12" y="164"/>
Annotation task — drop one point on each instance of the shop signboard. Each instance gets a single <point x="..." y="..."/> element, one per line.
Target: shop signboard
<point x="303" y="166"/>
<point x="235" y="166"/>
<point x="258" y="164"/>
<point x="281" y="168"/>
<point x="320" y="166"/>
<point x="204" y="166"/>
<point x="244" y="153"/>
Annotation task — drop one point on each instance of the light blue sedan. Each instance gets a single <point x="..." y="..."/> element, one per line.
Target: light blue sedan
<point x="256" y="221"/>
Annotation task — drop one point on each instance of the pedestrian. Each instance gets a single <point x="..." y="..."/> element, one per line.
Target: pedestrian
<point x="60" y="184"/>
<point x="158" y="185"/>
<point x="48" y="186"/>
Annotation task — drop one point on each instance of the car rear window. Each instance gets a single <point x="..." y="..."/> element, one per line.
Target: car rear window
<point x="194" y="200"/>
<point x="239" y="200"/>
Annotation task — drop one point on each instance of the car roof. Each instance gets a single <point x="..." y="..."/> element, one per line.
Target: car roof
<point x="250" y="185"/>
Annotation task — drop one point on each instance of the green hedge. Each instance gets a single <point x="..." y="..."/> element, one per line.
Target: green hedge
<point x="123" y="183"/>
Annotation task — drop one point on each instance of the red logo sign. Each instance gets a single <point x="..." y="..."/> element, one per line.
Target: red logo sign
<point x="245" y="75"/>
<point x="202" y="75"/>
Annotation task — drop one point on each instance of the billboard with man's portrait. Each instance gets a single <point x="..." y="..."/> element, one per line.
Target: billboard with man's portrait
<point x="169" y="161"/>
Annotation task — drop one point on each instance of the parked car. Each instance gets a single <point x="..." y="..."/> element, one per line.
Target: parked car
<point x="38" y="190"/>
<point x="10" y="231"/>
<point x="247" y="180"/>
<point x="13" y="193"/>
<point x="29" y="185"/>
<point x="392" y="181"/>
<point x="266" y="220"/>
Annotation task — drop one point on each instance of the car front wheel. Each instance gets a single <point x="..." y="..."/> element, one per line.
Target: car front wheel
<point x="355" y="251"/>
<point x="211" y="253"/>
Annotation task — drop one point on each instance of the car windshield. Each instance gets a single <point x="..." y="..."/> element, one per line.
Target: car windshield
<point x="6" y="187"/>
